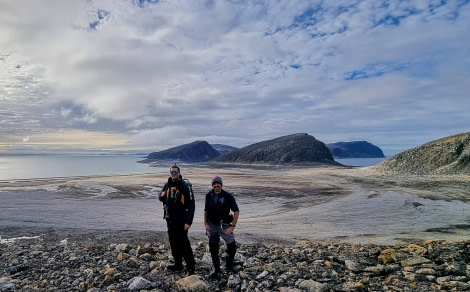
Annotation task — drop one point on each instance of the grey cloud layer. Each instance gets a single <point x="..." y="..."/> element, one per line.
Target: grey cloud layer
<point x="236" y="73"/>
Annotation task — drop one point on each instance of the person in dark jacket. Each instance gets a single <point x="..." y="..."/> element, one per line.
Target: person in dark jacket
<point x="218" y="222"/>
<point x="179" y="209"/>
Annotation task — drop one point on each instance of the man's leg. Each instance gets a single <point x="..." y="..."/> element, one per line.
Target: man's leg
<point x="214" y="241"/>
<point x="187" y="252"/>
<point x="231" y="251"/>
<point x="175" y="248"/>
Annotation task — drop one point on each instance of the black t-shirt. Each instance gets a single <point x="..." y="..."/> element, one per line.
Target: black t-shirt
<point x="218" y="206"/>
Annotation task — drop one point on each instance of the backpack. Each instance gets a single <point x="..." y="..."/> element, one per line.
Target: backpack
<point x="191" y="197"/>
<point x="190" y="186"/>
<point x="191" y="193"/>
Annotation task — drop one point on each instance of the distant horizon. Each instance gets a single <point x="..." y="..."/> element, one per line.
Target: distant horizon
<point x="136" y="152"/>
<point x="106" y="153"/>
<point x="17" y="167"/>
<point x="123" y="154"/>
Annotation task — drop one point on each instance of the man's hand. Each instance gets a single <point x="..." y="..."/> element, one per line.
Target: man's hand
<point x="229" y="230"/>
<point x="187" y="226"/>
<point x="207" y="226"/>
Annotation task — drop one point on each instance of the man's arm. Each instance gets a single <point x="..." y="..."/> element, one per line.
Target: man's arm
<point x="206" y="222"/>
<point x="235" y="218"/>
<point x="231" y="228"/>
<point x="162" y="195"/>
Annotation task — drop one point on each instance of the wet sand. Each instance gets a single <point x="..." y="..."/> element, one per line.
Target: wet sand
<point x="277" y="204"/>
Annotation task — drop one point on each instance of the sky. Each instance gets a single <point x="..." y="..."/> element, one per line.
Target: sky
<point x="144" y="76"/>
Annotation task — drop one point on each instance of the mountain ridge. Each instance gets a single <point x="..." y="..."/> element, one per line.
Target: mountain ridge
<point x="448" y="155"/>
<point x="355" y="149"/>
<point x="295" y="149"/>
<point x="197" y="151"/>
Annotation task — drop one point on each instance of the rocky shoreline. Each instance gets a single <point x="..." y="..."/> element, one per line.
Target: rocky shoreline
<point x="50" y="262"/>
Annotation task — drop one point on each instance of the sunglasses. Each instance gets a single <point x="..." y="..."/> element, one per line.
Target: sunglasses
<point x="174" y="171"/>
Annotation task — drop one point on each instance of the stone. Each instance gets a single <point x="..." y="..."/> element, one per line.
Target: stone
<point x="313" y="286"/>
<point x="387" y="255"/>
<point x="192" y="283"/>
<point x="138" y="283"/>
<point x="416" y="249"/>
<point x="144" y="250"/>
<point x="416" y="260"/>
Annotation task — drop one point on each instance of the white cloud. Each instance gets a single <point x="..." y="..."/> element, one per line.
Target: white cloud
<point x="239" y="72"/>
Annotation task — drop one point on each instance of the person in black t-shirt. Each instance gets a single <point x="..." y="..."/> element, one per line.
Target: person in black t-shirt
<point x="219" y="222"/>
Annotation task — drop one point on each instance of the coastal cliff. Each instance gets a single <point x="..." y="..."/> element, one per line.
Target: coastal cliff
<point x="355" y="149"/>
<point x="448" y="155"/>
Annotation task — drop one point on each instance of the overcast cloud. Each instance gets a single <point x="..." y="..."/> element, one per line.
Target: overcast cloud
<point x="149" y="75"/>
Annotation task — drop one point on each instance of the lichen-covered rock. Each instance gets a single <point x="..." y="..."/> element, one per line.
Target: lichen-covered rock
<point x="449" y="155"/>
<point x="35" y="265"/>
<point x="192" y="283"/>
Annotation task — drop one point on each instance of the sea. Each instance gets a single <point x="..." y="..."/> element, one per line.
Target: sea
<point x="360" y="162"/>
<point x="18" y="167"/>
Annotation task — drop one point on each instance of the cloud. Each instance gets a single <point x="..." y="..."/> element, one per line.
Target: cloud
<point x="162" y="73"/>
<point x="68" y="139"/>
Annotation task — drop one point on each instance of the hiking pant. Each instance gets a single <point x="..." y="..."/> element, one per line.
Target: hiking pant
<point x="180" y="245"/>
<point x="215" y="233"/>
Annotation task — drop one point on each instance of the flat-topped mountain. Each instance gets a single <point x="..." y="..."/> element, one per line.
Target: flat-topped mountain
<point x="296" y="149"/>
<point x="449" y="155"/>
<point x="354" y="149"/>
<point x="197" y="151"/>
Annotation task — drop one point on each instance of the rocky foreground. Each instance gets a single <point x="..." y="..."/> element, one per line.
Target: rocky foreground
<point x="36" y="264"/>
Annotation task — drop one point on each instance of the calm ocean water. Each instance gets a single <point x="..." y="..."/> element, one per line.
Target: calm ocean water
<point x="47" y="166"/>
<point x="361" y="161"/>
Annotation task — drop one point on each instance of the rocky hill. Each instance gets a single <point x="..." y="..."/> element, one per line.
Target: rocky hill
<point x="197" y="151"/>
<point x="296" y="149"/>
<point x="449" y="155"/>
<point x="355" y="149"/>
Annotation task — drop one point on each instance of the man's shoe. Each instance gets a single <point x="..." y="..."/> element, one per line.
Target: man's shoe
<point x="174" y="267"/>
<point x="191" y="271"/>
<point x="215" y="275"/>
<point x="231" y="269"/>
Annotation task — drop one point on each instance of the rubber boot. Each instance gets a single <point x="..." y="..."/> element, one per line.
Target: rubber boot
<point x="214" y="250"/>
<point x="174" y="267"/>
<point x="231" y="250"/>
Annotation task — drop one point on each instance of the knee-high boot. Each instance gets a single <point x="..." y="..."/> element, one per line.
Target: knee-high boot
<point x="214" y="250"/>
<point x="231" y="250"/>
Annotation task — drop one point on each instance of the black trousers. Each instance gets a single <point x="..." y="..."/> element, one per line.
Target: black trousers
<point x="180" y="245"/>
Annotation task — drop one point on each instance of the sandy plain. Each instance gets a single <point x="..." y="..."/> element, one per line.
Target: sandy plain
<point x="277" y="204"/>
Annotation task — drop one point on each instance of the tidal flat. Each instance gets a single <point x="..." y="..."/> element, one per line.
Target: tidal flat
<point x="357" y="205"/>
